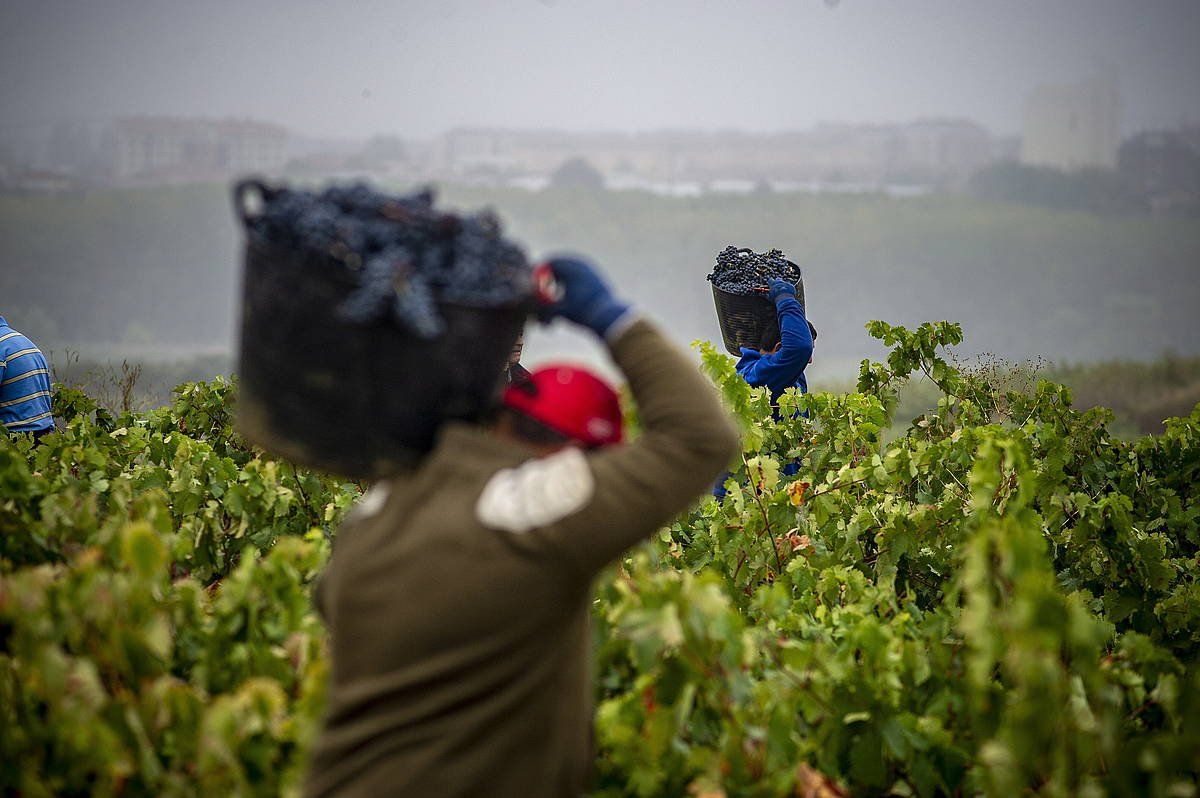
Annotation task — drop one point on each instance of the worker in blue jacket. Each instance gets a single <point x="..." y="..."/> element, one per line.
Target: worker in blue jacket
<point x="783" y="353"/>
<point x="781" y="357"/>
<point x="24" y="384"/>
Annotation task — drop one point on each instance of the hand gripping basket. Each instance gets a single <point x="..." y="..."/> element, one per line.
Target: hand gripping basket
<point x="359" y="401"/>
<point x="744" y="318"/>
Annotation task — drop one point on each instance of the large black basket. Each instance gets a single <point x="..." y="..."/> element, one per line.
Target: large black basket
<point x="360" y="401"/>
<point x="743" y="319"/>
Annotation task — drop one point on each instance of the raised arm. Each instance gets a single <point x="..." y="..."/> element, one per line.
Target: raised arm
<point x="687" y="440"/>
<point x="796" y="343"/>
<point x="687" y="436"/>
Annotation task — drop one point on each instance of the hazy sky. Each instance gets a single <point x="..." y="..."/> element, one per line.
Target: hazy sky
<point x="352" y="69"/>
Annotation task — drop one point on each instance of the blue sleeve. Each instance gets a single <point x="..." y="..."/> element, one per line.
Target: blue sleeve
<point x="795" y="338"/>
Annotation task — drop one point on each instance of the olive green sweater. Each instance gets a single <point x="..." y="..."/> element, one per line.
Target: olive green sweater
<point x="457" y="595"/>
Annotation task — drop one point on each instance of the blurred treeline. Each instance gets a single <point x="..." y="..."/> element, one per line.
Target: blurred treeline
<point x="1141" y="394"/>
<point x="1096" y="190"/>
<point x="134" y="384"/>
<point x="156" y="270"/>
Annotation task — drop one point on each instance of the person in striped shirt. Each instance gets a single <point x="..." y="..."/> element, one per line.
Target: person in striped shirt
<point x="24" y="384"/>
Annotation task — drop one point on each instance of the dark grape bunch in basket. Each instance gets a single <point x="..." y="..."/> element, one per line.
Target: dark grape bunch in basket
<point x="742" y="271"/>
<point x="406" y="255"/>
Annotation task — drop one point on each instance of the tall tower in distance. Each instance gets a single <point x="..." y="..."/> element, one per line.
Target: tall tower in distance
<point x="1073" y="126"/>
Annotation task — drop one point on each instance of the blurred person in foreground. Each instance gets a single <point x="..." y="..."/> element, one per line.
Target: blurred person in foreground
<point x="24" y="385"/>
<point x="457" y="595"/>
<point x="779" y="361"/>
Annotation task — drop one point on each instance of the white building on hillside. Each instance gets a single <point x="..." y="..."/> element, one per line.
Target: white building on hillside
<point x="1072" y="126"/>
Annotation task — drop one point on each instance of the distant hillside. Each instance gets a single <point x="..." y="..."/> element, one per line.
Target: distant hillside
<point x="159" y="267"/>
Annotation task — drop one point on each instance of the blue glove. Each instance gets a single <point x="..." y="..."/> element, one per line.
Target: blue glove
<point x="778" y="288"/>
<point x="586" y="299"/>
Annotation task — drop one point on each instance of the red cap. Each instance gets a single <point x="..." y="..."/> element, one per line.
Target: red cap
<point x="569" y="400"/>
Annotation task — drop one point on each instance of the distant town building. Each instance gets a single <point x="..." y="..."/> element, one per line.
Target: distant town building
<point x="918" y="156"/>
<point x="1072" y="126"/>
<point x="174" y="148"/>
<point x="936" y="151"/>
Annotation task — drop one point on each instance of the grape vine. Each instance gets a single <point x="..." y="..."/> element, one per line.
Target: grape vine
<point x="994" y="598"/>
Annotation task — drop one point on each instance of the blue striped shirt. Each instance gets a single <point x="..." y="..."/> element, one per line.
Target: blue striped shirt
<point x="24" y="383"/>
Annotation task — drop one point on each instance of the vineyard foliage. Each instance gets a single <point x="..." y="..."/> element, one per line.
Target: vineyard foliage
<point x="1001" y="601"/>
<point x="156" y="634"/>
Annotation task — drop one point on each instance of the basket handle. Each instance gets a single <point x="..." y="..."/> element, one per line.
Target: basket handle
<point x="248" y="198"/>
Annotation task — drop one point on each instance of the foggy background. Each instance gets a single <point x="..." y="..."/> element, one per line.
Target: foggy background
<point x="421" y="68"/>
<point x="1031" y="170"/>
